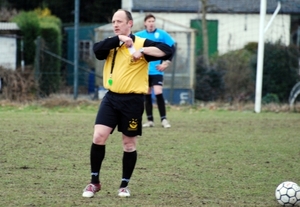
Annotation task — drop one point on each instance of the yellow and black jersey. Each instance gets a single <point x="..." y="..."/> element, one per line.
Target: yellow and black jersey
<point x="121" y="74"/>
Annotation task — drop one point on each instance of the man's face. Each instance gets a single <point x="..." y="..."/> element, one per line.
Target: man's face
<point x="150" y="24"/>
<point x="121" y="25"/>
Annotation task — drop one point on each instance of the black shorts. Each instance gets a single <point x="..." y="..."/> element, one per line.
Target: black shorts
<point x="124" y="110"/>
<point x="156" y="80"/>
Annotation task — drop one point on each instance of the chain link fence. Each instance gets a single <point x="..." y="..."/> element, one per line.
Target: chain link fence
<point x="179" y="79"/>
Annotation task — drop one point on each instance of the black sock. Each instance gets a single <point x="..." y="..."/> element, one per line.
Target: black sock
<point x="161" y="106"/>
<point x="129" y="160"/>
<point x="96" y="157"/>
<point x="148" y="107"/>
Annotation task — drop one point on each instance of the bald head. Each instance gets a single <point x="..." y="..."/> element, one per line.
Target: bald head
<point x="122" y="22"/>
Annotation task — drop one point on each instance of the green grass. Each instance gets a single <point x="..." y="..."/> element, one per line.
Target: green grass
<point x="208" y="158"/>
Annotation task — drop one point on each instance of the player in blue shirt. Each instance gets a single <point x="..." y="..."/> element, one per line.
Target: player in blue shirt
<point x="156" y="71"/>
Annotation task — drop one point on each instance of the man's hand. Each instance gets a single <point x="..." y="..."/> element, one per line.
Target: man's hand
<point x="126" y="40"/>
<point x="137" y="55"/>
<point x="163" y="66"/>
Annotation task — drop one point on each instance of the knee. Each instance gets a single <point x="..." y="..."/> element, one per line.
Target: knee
<point x="99" y="138"/>
<point x="129" y="145"/>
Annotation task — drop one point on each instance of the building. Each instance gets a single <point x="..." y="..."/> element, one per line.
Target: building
<point x="231" y="24"/>
<point x="8" y="41"/>
<point x="86" y="73"/>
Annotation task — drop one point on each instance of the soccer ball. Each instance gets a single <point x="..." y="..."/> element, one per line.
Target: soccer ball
<point x="288" y="194"/>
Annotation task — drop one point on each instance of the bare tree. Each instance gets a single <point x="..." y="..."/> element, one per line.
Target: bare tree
<point x="204" y="33"/>
<point x="6" y="14"/>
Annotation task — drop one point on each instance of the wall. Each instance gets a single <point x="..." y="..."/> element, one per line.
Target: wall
<point x="8" y="52"/>
<point x="85" y="33"/>
<point x="236" y="30"/>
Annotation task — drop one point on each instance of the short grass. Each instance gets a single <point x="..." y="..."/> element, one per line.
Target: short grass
<point x="208" y="158"/>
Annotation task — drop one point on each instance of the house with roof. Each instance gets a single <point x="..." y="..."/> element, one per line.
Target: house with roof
<point x="8" y="41"/>
<point x="231" y="24"/>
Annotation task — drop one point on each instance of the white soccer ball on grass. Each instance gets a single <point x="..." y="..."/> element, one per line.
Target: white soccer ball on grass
<point x="288" y="194"/>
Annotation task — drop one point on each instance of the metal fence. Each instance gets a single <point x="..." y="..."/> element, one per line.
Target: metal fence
<point x="179" y="79"/>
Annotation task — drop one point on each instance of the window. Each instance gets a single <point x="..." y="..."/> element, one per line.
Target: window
<point x="85" y="50"/>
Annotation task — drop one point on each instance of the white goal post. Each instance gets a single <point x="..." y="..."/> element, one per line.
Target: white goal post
<point x="260" y="55"/>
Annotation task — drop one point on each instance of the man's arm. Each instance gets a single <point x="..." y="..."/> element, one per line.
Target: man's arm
<point x="153" y="51"/>
<point x="173" y="52"/>
<point x="156" y="51"/>
<point x="166" y="63"/>
<point x="102" y="48"/>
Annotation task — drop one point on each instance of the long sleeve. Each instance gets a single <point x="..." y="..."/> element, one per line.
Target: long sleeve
<point x="102" y="48"/>
<point x="162" y="46"/>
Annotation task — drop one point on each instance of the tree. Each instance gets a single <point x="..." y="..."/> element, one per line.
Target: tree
<point x="238" y="82"/>
<point x="91" y="11"/>
<point x="7" y="14"/>
<point x="204" y="33"/>
<point x="280" y="72"/>
<point x="98" y="11"/>
<point x="29" y="25"/>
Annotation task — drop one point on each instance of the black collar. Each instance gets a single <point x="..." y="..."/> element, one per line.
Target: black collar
<point x="132" y="37"/>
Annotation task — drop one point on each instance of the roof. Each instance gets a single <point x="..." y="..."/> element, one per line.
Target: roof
<point x="173" y="28"/>
<point x="90" y="26"/>
<point x="215" y="6"/>
<point x="138" y="25"/>
<point x="8" y="26"/>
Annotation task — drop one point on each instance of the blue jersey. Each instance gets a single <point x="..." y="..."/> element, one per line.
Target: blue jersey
<point x="157" y="35"/>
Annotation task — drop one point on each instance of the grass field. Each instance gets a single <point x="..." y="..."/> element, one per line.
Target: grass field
<point x="208" y="158"/>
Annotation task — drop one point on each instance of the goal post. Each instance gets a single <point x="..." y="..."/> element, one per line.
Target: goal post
<point x="260" y="55"/>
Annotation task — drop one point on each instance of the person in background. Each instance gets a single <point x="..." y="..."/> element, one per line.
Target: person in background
<point x="156" y="71"/>
<point x="125" y="76"/>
